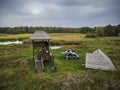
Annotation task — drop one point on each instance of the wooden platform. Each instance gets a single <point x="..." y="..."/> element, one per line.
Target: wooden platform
<point x="98" y="60"/>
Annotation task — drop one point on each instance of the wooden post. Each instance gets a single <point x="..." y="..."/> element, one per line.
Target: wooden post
<point x="52" y="60"/>
<point x="33" y="49"/>
<point x="48" y="49"/>
<point x="33" y="55"/>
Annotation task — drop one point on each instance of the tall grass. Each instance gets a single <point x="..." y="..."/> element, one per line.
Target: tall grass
<point x="7" y="37"/>
<point x="17" y="66"/>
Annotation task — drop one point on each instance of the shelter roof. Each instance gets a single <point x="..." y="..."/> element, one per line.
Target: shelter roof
<point x="40" y="35"/>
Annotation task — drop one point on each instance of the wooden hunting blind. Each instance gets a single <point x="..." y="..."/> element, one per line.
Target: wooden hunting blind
<point x="41" y="51"/>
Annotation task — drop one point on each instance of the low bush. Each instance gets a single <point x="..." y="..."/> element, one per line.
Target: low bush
<point x="90" y="35"/>
<point x="118" y="34"/>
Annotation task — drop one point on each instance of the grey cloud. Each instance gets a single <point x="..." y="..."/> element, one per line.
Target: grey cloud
<point x="59" y="12"/>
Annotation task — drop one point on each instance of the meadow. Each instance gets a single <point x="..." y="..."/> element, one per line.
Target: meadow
<point x="17" y="66"/>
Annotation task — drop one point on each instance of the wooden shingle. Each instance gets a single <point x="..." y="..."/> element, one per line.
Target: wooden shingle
<point x="40" y="35"/>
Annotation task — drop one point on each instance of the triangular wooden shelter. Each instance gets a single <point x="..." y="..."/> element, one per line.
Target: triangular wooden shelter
<point x="99" y="60"/>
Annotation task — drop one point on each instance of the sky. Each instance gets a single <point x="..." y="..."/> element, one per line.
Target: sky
<point x="61" y="13"/>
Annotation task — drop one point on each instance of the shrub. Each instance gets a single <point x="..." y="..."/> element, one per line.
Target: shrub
<point x="90" y="35"/>
<point x="118" y="34"/>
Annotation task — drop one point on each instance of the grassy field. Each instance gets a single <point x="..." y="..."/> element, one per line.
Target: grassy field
<point x="17" y="67"/>
<point x="5" y="37"/>
<point x="55" y="36"/>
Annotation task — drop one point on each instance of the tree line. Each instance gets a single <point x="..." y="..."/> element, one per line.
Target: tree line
<point x="26" y="29"/>
<point x="109" y="30"/>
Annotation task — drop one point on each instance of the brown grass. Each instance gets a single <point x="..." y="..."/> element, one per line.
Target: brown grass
<point x="68" y="37"/>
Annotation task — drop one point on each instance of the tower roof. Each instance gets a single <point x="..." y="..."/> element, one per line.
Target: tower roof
<point x="40" y="35"/>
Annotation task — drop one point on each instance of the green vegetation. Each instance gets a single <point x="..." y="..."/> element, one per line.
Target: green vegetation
<point x="109" y="30"/>
<point x="17" y="66"/>
<point x="90" y="35"/>
<point x="7" y="37"/>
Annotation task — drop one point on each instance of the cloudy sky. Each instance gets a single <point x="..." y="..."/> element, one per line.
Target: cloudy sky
<point x="66" y="13"/>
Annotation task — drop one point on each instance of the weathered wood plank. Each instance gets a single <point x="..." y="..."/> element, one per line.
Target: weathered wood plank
<point x="98" y="60"/>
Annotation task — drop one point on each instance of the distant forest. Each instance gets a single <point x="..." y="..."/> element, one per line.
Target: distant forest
<point x="109" y="30"/>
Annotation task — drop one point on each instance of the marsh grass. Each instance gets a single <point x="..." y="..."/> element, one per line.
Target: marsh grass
<point x="17" y="66"/>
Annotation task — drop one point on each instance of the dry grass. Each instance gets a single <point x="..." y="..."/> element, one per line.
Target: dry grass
<point x="13" y="36"/>
<point x="68" y="37"/>
<point x="55" y="36"/>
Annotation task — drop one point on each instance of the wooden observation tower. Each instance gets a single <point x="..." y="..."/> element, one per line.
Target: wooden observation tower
<point x="41" y="51"/>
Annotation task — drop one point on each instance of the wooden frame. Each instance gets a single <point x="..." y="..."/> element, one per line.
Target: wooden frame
<point x="41" y="51"/>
